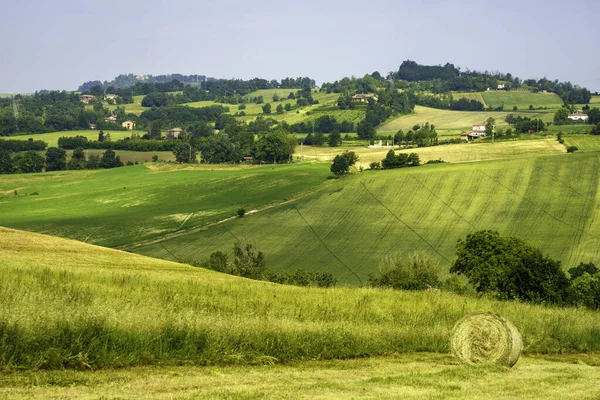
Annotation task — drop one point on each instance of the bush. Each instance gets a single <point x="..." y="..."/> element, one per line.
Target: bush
<point x="241" y="212"/>
<point x="572" y="149"/>
<point x="418" y="271"/>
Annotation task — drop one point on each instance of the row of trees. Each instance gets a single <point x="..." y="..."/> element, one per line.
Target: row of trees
<point x="55" y="160"/>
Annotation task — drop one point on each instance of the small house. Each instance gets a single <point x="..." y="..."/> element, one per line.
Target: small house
<point x="111" y="120"/>
<point x="578" y="117"/>
<point x="129" y="125"/>
<point x="86" y="98"/>
<point x="173" y="133"/>
<point x="479" y="127"/>
<point x="501" y="86"/>
<point x="364" y="97"/>
<point x="111" y="97"/>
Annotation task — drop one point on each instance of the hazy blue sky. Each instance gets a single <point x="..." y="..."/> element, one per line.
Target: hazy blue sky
<point x="60" y="44"/>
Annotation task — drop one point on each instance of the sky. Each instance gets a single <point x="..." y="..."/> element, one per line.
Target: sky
<point x="60" y="44"/>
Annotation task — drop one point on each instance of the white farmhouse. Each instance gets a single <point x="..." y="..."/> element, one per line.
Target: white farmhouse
<point x="578" y="117"/>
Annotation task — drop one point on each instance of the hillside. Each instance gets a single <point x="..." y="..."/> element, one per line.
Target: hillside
<point x="123" y="205"/>
<point x="67" y="304"/>
<point x="349" y="226"/>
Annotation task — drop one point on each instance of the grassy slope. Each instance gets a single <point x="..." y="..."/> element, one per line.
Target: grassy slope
<point x="112" y="207"/>
<point x="520" y="98"/>
<point x="411" y="376"/>
<point x="69" y="304"/>
<point x="552" y="202"/>
<point x="446" y="119"/>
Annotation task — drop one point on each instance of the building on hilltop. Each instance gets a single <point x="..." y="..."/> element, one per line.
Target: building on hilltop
<point x="129" y="125"/>
<point x="364" y="97"/>
<point x="578" y="117"/>
<point x="111" y="97"/>
<point x="501" y="86"/>
<point x="86" y="98"/>
<point x="111" y="119"/>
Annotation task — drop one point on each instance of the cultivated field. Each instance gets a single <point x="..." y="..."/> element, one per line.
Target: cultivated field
<point x="349" y="226"/>
<point x="587" y="143"/>
<point x="446" y="119"/>
<point x="122" y="205"/>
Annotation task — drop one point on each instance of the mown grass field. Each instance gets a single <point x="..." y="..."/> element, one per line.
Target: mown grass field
<point x="66" y="304"/>
<point x="410" y="376"/>
<point x="52" y="137"/>
<point x="455" y="120"/>
<point x="122" y="205"/>
<point x="587" y="143"/>
<point x="348" y="227"/>
<point x="520" y="98"/>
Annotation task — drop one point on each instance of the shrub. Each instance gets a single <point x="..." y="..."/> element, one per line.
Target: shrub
<point x="572" y="149"/>
<point x="241" y="212"/>
<point x="418" y="271"/>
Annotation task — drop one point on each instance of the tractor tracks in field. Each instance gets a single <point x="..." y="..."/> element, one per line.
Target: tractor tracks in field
<point x="196" y="228"/>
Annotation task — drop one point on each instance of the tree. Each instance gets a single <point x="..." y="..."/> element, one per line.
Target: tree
<point x="154" y="131"/>
<point x="6" y="162"/>
<point x="561" y="116"/>
<point x="101" y="136"/>
<point x="279" y="109"/>
<point x="248" y="263"/>
<point x="56" y="159"/>
<point x="287" y="107"/>
<point x="581" y="269"/>
<point x="275" y="146"/>
<point x="110" y="160"/>
<point x="335" y="139"/>
<point x="275" y="97"/>
<point x="510" y="268"/>
<point x="266" y="108"/>
<point x="593" y="116"/>
<point x="77" y="160"/>
<point x="342" y="163"/>
<point x="30" y="161"/>
<point x="185" y="153"/>
<point x="489" y="126"/>
<point x="596" y="129"/>
<point x="365" y="130"/>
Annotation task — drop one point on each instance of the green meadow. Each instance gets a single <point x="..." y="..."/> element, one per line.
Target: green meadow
<point x="79" y="306"/>
<point x="123" y="205"/>
<point x="349" y="226"/>
<point x="520" y="98"/>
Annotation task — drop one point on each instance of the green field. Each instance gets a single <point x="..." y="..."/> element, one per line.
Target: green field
<point x="351" y="225"/>
<point x="79" y="306"/>
<point x="455" y="153"/>
<point x="122" y="205"/>
<point x="52" y="138"/>
<point x="520" y="98"/>
<point x="469" y="96"/>
<point x="409" y="376"/>
<point x="456" y="120"/>
<point x="588" y="143"/>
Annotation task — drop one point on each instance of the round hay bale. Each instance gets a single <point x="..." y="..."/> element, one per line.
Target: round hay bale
<point x="486" y="338"/>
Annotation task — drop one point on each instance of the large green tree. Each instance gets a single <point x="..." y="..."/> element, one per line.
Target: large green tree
<point x="276" y="146"/>
<point x="342" y="163"/>
<point x="509" y="268"/>
<point x="56" y="159"/>
<point x="29" y="161"/>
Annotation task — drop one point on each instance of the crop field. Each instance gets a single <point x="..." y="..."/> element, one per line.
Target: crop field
<point x="52" y="137"/>
<point x="447" y="119"/>
<point x="587" y="143"/>
<point x="349" y="226"/>
<point x="455" y="153"/>
<point x="78" y="306"/>
<point x="122" y="205"/>
<point x="521" y="98"/>
<point x="569" y="129"/>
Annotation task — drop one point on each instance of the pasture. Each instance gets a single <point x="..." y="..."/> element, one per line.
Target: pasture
<point x="586" y="143"/>
<point x="123" y="205"/>
<point x="67" y="304"/>
<point x="349" y="226"/>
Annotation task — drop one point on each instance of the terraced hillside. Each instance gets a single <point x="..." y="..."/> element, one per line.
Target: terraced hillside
<point x="346" y="228"/>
